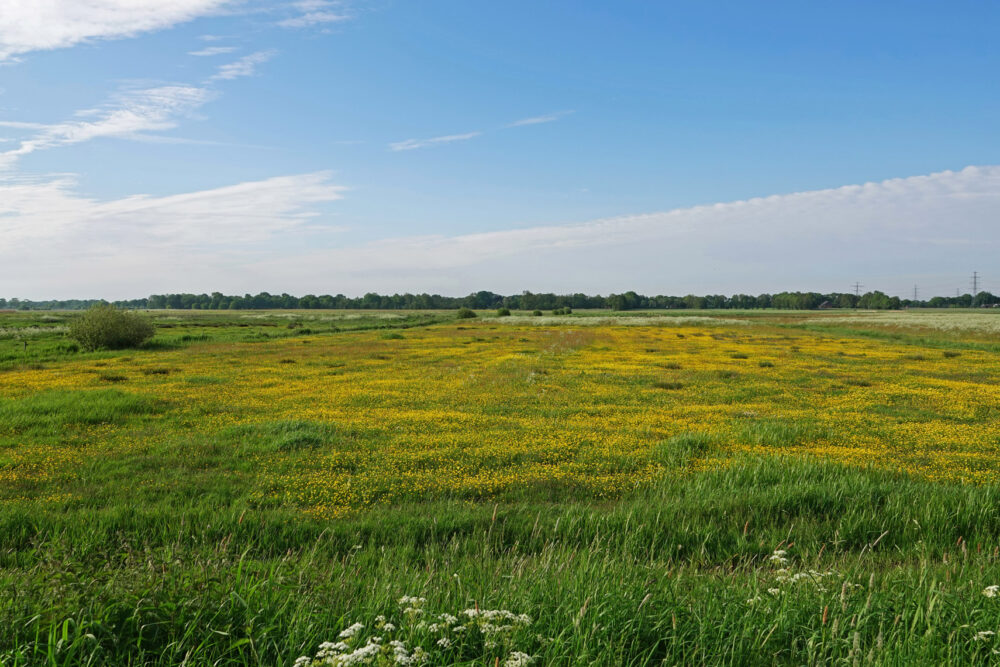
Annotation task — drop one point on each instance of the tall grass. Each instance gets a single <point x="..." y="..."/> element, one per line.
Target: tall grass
<point x="679" y="573"/>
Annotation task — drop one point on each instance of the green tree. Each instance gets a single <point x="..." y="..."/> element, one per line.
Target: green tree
<point x="106" y="327"/>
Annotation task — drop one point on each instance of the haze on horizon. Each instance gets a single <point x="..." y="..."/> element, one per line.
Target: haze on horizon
<point x="348" y="146"/>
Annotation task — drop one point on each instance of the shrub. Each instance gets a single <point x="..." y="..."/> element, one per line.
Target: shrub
<point x="536" y="313"/>
<point x="106" y="327"/>
<point x="465" y="313"/>
<point x="503" y="312"/>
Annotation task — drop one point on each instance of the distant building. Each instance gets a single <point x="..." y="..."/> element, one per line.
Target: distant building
<point x="826" y="305"/>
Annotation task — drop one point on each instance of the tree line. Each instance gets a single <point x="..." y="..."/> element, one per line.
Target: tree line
<point x="525" y="301"/>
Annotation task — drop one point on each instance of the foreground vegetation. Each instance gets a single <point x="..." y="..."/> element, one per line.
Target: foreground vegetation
<point x="651" y="490"/>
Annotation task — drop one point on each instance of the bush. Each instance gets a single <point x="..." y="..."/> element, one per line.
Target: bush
<point x="536" y="313"/>
<point x="104" y="327"/>
<point x="503" y="312"/>
<point x="465" y="313"/>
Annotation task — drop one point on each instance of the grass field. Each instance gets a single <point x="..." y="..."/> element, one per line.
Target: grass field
<point x="653" y="488"/>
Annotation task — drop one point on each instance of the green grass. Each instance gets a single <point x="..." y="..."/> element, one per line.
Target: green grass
<point x="664" y="576"/>
<point x="53" y="411"/>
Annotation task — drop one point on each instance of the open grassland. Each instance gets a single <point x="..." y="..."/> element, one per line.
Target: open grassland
<point x="743" y="489"/>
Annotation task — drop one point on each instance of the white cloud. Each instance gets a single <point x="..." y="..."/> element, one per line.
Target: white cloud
<point x="213" y="51"/>
<point x="315" y="12"/>
<point x="823" y="239"/>
<point x="245" y="66"/>
<point x="89" y="244"/>
<point x="39" y="25"/>
<point x="411" y="144"/>
<point x="263" y="236"/>
<point x="537" y="120"/>
<point x="130" y="113"/>
<point x="22" y="125"/>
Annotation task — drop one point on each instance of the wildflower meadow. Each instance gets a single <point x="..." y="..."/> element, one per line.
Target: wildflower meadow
<point x="279" y="488"/>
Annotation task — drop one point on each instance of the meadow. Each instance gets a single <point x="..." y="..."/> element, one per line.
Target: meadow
<point x="275" y="488"/>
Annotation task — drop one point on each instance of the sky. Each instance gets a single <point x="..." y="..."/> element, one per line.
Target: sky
<point x="451" y="146"/>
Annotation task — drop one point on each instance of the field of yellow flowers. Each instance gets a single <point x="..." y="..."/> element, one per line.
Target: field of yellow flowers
<point x="334" y="423"/>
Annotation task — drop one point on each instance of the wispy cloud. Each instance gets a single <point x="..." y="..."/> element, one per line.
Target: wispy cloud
<point x="819" y="239"/>
<point x="22" y="125"/>
<point x="142" y="236"/>
<point x="213" y="51"/>
<point x="166" y="139"/>
<point x="264" y="235"/>
<point x="537" y="120"/>
<point x="40" y="25"/>
<point x="316" y="12"/>
<point x="413" y="144"/>
<point x="245" y="66"/>
<point x="128" y="114"/>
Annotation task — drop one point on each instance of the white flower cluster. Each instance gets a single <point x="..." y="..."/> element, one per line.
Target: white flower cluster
<point x="411" y="600"/>
<point x="778" y="557"/>
<point x="991" y="591"/>
<point x="351" y="631"/>
<point x="340" y="654"/>
<point x="446" y="634"/>
<point x="496" y="623"/>
<point x="785" y="577"/>
<point x="412" y="606"/>
<point x="518" y="659"/>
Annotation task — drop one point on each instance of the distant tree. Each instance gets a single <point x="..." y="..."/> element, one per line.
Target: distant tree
<point x="482" y="300"/>
<point x="985" y="299"/>
<point x="879" y="301"/>
<point x="694" y="302"/>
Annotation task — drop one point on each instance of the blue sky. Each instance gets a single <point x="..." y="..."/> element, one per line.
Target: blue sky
<point x="319" y="146"/>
